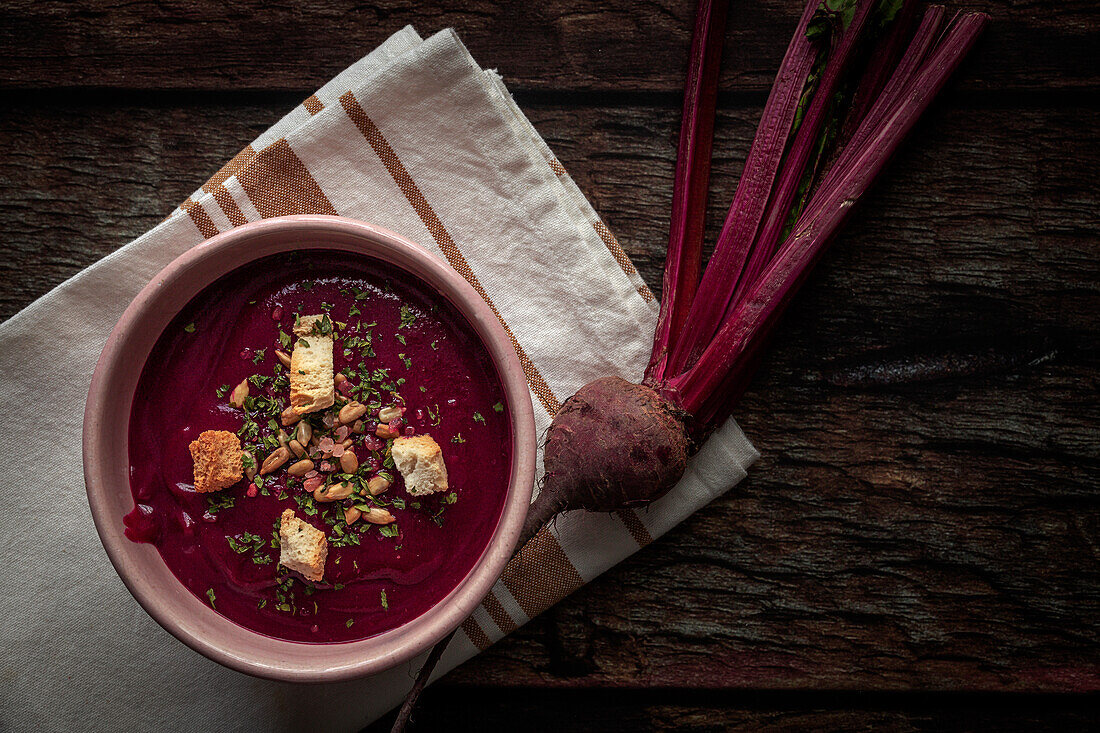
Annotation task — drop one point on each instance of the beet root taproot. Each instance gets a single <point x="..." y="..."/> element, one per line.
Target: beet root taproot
<point x="612" y="445"/>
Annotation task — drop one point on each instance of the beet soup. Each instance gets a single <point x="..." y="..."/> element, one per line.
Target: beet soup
<point x="401" y="351"/>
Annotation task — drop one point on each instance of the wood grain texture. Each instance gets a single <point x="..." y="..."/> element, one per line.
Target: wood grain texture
<point x="925" y="521"/>
<point x="479" y="709"/>
<point x="595" y="45"/>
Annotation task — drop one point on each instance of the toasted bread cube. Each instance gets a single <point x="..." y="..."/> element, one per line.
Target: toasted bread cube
<point x="217" y="457"/>
<point x="311" y="386"/>
<point x="302" y="547"/>
<point x="420" y="461"/>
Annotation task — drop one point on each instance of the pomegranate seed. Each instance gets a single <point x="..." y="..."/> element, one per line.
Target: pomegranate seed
<point x="311" y="484"/>
<point x="246" y="353"/>
<point x="419" y="415"/>
<point x="277" y="314"/>
<point x="345" y="388"/>
<point x="252" y="491"/>
<point x="410" y="431"/>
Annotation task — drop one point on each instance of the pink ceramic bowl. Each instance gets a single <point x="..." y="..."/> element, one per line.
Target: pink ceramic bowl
<point x="106" y="460"/>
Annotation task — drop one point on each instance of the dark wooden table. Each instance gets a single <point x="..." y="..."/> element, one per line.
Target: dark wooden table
<point x="915" y="550"/>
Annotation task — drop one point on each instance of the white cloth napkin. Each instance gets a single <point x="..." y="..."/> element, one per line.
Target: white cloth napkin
<point x="414" y="137"/>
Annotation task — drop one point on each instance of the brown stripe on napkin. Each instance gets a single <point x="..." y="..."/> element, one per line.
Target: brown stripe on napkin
<point x="312" y="104"/>
<point x="557" y="167"/>
<point x="229" y="206"/>
<point x="277" y="183"/>
<point x="634" y="525"/>
<point x="500" y="616"/>
<point x="201" y="219"/>
<point x="442" y="237"/>
<point x="236" y="163"/>
<point x="477" y="636"/>
<point x="541" y="574"/>
<point x="619" y="254"/>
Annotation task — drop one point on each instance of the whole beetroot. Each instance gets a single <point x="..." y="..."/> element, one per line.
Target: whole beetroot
<point x="612" y="445"/>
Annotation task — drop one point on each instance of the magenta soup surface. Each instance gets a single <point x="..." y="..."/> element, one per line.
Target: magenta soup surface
<point x="397" y="336"/>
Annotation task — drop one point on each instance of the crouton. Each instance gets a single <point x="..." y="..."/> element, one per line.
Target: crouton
<point x="311" y="386"/>
<point x="302" y="547"/>
<point x="420" y="461"/>
<point x="217" y="457"/>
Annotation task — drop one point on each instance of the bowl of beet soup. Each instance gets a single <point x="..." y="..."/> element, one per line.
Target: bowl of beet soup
<point x="309" y="448"/>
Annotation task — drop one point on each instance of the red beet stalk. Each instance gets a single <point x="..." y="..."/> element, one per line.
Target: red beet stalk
<point x="751" y="198"/>
<point x="886" y="126"/>
<point x="797" y="159"/>
<point x="689" y="191"/>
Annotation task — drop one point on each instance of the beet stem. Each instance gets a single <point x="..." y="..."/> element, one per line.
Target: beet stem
<point x="689" y="195"/>
<point x="859" y="165"/>
<point x="794" y="164"/>
<point x="751" y="198"/>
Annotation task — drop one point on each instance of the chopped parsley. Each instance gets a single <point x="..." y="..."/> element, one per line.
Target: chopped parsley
<point x="248" y="542"/>
<point x="284" y="339"/>
<point x="222" y="391"/>
<point x="385" y="603"/>
<point x="322" y="326"/>
<point x="350" y="621"/>
<point x="407" y="317"/>
<point x="479" y="418"/>
<point x="458" y="438"/>
<point x="190" y="327"/>
<point x="259" y="356"/>
<point x="408" y="360"/>
<point x="217" y="502"/>
<point x="210" y="595"/>
<point x="306" y="504"/>
<point x="498" y="407"/>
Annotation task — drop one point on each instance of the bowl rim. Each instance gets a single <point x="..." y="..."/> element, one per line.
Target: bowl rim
<point x="235" y="646"/>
